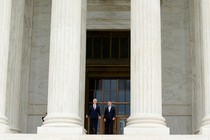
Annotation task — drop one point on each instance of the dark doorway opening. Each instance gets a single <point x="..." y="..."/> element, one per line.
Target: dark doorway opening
<point x="108" y="74"/>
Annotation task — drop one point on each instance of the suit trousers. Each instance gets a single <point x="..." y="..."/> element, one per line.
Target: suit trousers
<point x="109" y="126"/>
<point x="93" y="125"/>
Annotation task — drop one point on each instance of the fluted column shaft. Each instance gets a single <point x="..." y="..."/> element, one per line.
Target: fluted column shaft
<point x="196" y="64"/>
<point x="14" y="64"/>
<point x="67" y="55"/>
<point x="146" y="97"/>
<point x="205" y="45"/>
<point x="5" y="15"/>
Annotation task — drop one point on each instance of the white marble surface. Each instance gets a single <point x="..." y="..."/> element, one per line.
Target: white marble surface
<point x="197" y="88"/>
<point x="100" y="137"/>
<point x="5" y="16"/>
<point x="14" y="65"/>
<point x="66" y="68"/>
<point x="205" y="51"/>
<point x="176" y="61"/>
<point x="108" y="14"/>
<point x="40" y="52"/>
<point x="176" y="66"/>
<point x="25" y="66"/>
<point x="179" y="124"/>
<point x="34" y="122"/>
<point x="146" y="85"/>
<point x="200" y="53"/>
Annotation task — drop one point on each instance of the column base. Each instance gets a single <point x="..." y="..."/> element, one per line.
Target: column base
<point x="146" y="131"/>
<point x="14" y="130"/>
<point x="204" y="131"/>
<point x="77" y="130"/>
<point x="61" y="124"/>
<point x="146" y="121"/>
<point x="4" y="128"/>
<point x="205" y="126"/>
<point x="146" y="125"/>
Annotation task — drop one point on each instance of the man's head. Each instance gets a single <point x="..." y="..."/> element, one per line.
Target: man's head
<point x="94" y="101"/>
<point x="109" y="103"/>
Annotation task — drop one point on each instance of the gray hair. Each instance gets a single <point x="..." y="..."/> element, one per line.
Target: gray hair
<point x="95" y="99"/>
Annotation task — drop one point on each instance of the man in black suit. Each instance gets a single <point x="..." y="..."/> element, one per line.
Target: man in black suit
<point x="109" y="118"/>
<point x="95" y="114"/>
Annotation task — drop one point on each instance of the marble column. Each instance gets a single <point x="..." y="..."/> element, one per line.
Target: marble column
<point x="66" y="70"/>
<point x="83" y="63"/>
<point x="205" y="47"/>
<point x="14" y="65"/>
<point x="146" y="93"/>
<point x="5" y="15"/>
<point x="196" y="55"/>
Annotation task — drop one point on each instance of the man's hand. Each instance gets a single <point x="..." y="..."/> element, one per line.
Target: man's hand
<point x="86" y="116"/>
<point x="104" y="120"/>
<point x="99" y="117"/>
<point x="113" y="118"/>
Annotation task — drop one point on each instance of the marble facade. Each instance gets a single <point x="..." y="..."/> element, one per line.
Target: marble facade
<point x="181" y="60"/>
<point x="176" y="56"/>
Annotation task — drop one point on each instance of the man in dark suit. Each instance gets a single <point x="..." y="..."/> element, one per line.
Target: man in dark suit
<point x="95" y="114"/>
<point x="109" y="118"/>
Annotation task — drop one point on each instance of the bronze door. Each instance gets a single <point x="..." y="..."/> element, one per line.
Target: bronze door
<point x="116" y="90"/>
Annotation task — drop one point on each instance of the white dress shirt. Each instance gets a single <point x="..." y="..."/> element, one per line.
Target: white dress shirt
<point x="109" y="108"/>
<point x="94" y="106"/>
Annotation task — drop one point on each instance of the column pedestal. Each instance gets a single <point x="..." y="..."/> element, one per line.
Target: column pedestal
<point x="62" y="124"/>
<point x="146" y="131"/>
<point x="205" y="126"/>
<point x="145" y="125"/>
<point x="4" y="128"/>
<point x="62" y="130"/>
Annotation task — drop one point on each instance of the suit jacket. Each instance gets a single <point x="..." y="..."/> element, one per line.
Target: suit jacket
<point x="109" y="115"/>
<point x="94" y="114"/>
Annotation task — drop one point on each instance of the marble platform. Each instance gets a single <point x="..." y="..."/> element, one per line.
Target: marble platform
<point x="100" y="137"/>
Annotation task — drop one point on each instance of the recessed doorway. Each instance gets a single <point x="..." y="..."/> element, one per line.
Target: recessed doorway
<point x="108" y="75"/>
<point x="116" y="90"/>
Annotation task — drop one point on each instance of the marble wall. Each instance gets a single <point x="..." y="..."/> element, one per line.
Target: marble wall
<point x="25" y="67"/>
<point x="176" y="66"/>
<point x="114" y="14"/>
<point x="14" y="64"/>
<point x="108" y="14"/>
<point x="40" y="42"/>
